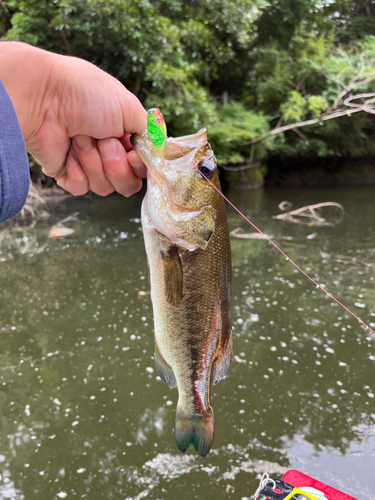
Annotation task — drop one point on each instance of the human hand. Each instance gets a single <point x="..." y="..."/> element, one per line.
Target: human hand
<point x="76" y="120"/>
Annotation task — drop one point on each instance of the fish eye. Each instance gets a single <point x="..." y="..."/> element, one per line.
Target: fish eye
<point x="207" y="168"/>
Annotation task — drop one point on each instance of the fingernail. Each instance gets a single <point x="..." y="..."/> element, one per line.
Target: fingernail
<point x="137" y="164"/>
<point x="108" y="149"/>
<point x="84" y="142"/>
<point x="135" y="161"/>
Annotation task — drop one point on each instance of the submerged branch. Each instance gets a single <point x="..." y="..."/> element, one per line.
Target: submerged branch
<point x="309" y="213"/>
<point x="238" y="233"/>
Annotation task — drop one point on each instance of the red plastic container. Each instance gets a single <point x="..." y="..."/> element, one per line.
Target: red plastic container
<point x="322" y="491"/>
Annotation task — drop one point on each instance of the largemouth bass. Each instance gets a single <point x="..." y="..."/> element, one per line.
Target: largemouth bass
<point x="188" y="252"/>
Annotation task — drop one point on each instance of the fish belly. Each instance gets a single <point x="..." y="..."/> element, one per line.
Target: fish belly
<point x="190" y="294"/>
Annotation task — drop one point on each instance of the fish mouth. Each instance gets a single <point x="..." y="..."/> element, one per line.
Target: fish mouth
<point x="172" y="149"/>
<point x="141" y="142"/>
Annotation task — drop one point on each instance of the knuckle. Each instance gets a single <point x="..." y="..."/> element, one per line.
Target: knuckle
<point x="113" y="170"/>
<point x="79" y="191"/>
<point x="131" y="189"/>
<point x="103" y="191"/>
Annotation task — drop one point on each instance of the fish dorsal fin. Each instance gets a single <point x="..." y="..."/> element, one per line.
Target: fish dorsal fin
<point x="165" y="372"/>
<point x="173" y="278"/>
<point x="222" y="363"/>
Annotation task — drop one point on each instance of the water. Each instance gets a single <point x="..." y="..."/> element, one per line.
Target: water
<point x="83" y="414"/>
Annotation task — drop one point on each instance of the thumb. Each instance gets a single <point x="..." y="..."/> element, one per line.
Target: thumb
<point x="134" y="114"/>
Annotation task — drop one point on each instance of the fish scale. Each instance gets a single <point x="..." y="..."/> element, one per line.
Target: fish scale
<point x="187" y="245"/>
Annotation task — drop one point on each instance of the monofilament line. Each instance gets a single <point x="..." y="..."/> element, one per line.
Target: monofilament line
<point x="270" y="241"/>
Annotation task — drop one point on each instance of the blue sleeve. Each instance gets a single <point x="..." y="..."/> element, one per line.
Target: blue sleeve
<point x="14" y="169"/>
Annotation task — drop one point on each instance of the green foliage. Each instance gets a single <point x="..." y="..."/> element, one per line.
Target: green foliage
<point x="165" y="52"/>
<point x="281" y="61"/>
<point x="294" y="109"/>
<point x="234" y="127"/>
<point x="317" y="105"/>
<point x="5" y="17"/>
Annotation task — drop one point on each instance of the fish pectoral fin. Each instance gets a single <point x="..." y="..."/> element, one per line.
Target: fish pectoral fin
<point x="173" y="278"/>
<point x="165" y="372"/>
<point x="222" y="363"/>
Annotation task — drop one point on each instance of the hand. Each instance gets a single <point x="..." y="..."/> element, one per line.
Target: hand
<point x="76" y="120"/>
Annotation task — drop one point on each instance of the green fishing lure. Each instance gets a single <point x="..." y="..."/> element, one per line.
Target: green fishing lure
<point x="156" y="127"/>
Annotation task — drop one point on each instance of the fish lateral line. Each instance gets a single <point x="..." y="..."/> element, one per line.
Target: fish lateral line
<point x="163" y="132"/>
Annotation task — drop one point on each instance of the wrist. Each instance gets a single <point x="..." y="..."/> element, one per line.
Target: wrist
<point x="26" y="75"/>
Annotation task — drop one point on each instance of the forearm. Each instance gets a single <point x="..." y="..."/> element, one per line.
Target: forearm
<point x="26" y="74"/>
<point x="14" y="170"/>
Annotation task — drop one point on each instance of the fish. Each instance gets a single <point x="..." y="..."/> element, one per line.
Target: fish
<point x="188" y="252"/>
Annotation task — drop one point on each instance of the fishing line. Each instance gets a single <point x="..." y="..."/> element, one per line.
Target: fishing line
<point x="269" y="239"/>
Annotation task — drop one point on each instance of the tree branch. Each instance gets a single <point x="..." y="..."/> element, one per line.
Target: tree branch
<point x="314" y="121"/>
<point x="347" y="108"/>
<point x="345" y="103"/>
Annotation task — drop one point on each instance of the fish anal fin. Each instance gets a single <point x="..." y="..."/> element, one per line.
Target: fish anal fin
<point x="222" y="363"/>
<point x="173" y="278"/>
<point x="165" y="372"/>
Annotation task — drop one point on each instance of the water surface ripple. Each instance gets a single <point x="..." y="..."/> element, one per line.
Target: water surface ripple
<point x="83" y="413"/>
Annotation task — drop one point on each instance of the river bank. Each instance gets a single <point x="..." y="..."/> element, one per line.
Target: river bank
<point x="281" y="173"/>
<point x="276" y="173"/>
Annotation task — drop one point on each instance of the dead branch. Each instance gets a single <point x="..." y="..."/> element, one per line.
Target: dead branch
<point x="70" y="217"/>
<point x="5" y="7"/>
<point x="284" y="205"/>
<point x="305" y="123"/>
<point x="298" y="132"/>
<point x="345" y="103"/>
<point x="366" y="107"/>
<point x="67" y="44"/>
<point x="32" y="206"/>
<point x="310" y="215"/>
<point x="238" y="233"/>
<point x="255" y="164"/>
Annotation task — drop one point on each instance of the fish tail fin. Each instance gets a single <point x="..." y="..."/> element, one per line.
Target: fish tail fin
<point x="197" y="430"/>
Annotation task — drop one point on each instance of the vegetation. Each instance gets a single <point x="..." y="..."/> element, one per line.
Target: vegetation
<point x="280" y="62"/>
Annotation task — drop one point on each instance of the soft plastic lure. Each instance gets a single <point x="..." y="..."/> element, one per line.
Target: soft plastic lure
<point x="156" y="127"/>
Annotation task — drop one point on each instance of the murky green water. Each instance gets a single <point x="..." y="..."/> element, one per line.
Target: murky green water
<point x="82" y="412"/>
